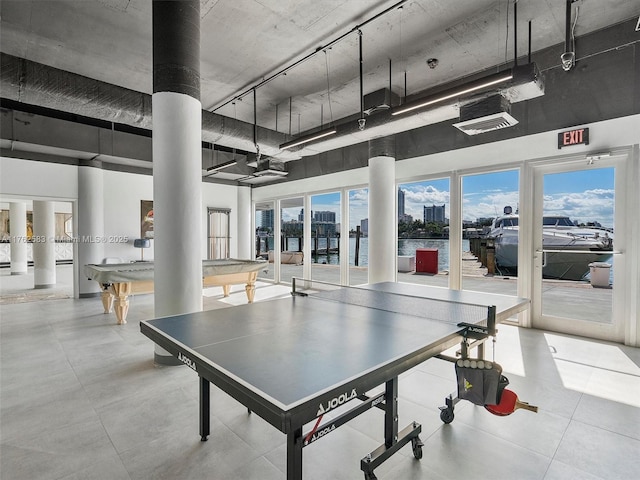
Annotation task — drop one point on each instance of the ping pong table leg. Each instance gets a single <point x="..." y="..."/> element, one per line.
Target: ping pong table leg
<point x="394" y="440"/>
<point x="391" y="412"/>
<point x="205" y="409"/>
<point x="294" y="454"/>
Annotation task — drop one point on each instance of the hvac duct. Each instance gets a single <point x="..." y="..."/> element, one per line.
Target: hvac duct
<point x="37" y="84"/>
<point x="32" y="83"/>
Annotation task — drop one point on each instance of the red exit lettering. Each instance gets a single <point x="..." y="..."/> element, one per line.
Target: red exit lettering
<point x="573" y="137"/>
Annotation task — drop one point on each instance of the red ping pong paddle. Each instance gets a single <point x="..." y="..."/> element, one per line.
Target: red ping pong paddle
<point x="508" y="404"/>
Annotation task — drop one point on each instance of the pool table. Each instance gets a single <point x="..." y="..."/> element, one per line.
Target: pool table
<point x="119" y="280"/>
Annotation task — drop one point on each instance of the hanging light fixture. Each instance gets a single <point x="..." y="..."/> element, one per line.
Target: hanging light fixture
<point x="221" y="166"/>
<point x="491" y="80"/>
<point x="307" y="138"/>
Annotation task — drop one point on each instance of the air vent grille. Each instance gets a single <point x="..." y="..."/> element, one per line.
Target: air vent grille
<point x="487" y="123"/>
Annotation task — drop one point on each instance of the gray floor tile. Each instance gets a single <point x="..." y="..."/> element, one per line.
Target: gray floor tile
<point x="599" y="452"/>
<point x="59" y="452"/>
<point x="178" y="453"/>
<point x="562" y="471"/>
<point x="458" y="451"/>
<point x="80" y="398"/>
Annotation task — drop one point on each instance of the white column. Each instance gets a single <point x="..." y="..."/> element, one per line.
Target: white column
<point x="177" y="161"/>
<point x="306" y="247"/>
<point x="177" y="203"/>
<point x="455" y="232"/>
<point x="18" y="236"/>
<point x="344" y="237"/>
<point x="90" y="223"/>
<point x="44" y="253"/>
<point x="382" y="220"/>
<point x="245" y="242"/>
<point x="631" y="282"/>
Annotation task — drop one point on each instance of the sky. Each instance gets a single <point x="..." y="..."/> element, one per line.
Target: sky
<point x="585" y="196"/>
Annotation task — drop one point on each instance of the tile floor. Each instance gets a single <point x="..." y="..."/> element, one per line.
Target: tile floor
<point x="80" y="398"/>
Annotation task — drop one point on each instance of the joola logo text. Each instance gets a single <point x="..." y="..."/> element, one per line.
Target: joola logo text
<point x="322" y="432"/>
<point x="336" y="401"/>
<point x="187" y="361"/>
<point x="480" y="330"/>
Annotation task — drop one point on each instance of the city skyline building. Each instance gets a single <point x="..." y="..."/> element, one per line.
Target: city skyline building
<point x="434" y="213"/>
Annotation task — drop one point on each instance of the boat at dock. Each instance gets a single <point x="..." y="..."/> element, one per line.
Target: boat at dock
<point x="569" y="248"/>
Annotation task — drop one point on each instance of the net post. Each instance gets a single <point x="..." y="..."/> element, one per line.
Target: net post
<point x="491" y="320"/>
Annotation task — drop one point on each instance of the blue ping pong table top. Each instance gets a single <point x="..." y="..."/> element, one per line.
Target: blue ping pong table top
<point x="291" y="351"/>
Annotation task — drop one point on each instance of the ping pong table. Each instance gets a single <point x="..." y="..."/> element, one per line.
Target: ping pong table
<point x="295" y="360"/>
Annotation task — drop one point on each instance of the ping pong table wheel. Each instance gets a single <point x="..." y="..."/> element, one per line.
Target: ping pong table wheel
<point x="370" y="476"/>
<point x="446" y="414"/>
<point x="416" y="445"/>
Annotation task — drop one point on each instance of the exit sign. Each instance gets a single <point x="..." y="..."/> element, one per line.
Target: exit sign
<point x="573" y="137"/>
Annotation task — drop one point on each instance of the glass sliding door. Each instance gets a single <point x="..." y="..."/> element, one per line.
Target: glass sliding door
<point x="423" y="232"/>
<point x="291" y="238"/>
<point x="264" y="225"/>
<point x="576" y="257"/>
<point x="575" y="245"/>
<point x="325" y="237"/>
<point x="490" y="232"/>
<point x="358" y="236"/>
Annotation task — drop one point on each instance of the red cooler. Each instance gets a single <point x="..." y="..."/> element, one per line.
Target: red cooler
<point x="427" y="260"/>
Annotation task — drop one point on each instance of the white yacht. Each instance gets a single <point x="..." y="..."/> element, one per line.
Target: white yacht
<point x="578" y="246"/>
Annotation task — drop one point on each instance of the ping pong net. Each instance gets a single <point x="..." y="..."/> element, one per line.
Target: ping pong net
<point x="477" y="320"/>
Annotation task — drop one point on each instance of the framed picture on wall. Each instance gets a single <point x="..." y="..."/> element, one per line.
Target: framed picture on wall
<point x="146" y="218"/>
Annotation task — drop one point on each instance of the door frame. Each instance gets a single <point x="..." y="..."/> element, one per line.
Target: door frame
<point x="613" y="331"/>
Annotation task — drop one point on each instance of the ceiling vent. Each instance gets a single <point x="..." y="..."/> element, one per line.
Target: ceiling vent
<point x="267" y="170"/>
<point x="485" y="115"/>
<point x="380" y="100"/>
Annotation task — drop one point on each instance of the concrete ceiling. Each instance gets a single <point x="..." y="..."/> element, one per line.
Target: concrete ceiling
<point x="244" y="42"/>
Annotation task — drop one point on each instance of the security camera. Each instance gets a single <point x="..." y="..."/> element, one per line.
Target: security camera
<point x="568" y="60"/>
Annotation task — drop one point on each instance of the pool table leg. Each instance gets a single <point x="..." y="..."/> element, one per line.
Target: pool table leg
<point x="107" y="298"/>
<point x="250" y="288"/>
<point x="121" y="290"/>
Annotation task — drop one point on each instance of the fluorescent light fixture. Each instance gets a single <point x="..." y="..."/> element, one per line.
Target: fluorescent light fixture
<point x="222" y="165"/>
<point x="454" y="92"/>
<point x="307" y="138"/>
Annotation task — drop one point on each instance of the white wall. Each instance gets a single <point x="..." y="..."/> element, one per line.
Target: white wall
<point x="122" y="217"/>
<point x="28" y="180"/>
<point x="37" y="180"/>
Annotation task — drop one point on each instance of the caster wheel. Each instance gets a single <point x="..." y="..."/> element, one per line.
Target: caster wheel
<point x="416" y="445"/>
<point x="446" y="415"/>
<point x="370" y="476"/>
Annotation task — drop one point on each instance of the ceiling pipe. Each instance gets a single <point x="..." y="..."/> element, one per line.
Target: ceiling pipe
<point x="568" y="58"/>
<point x="361" y="121"/>
<point x="515" y="33"/>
